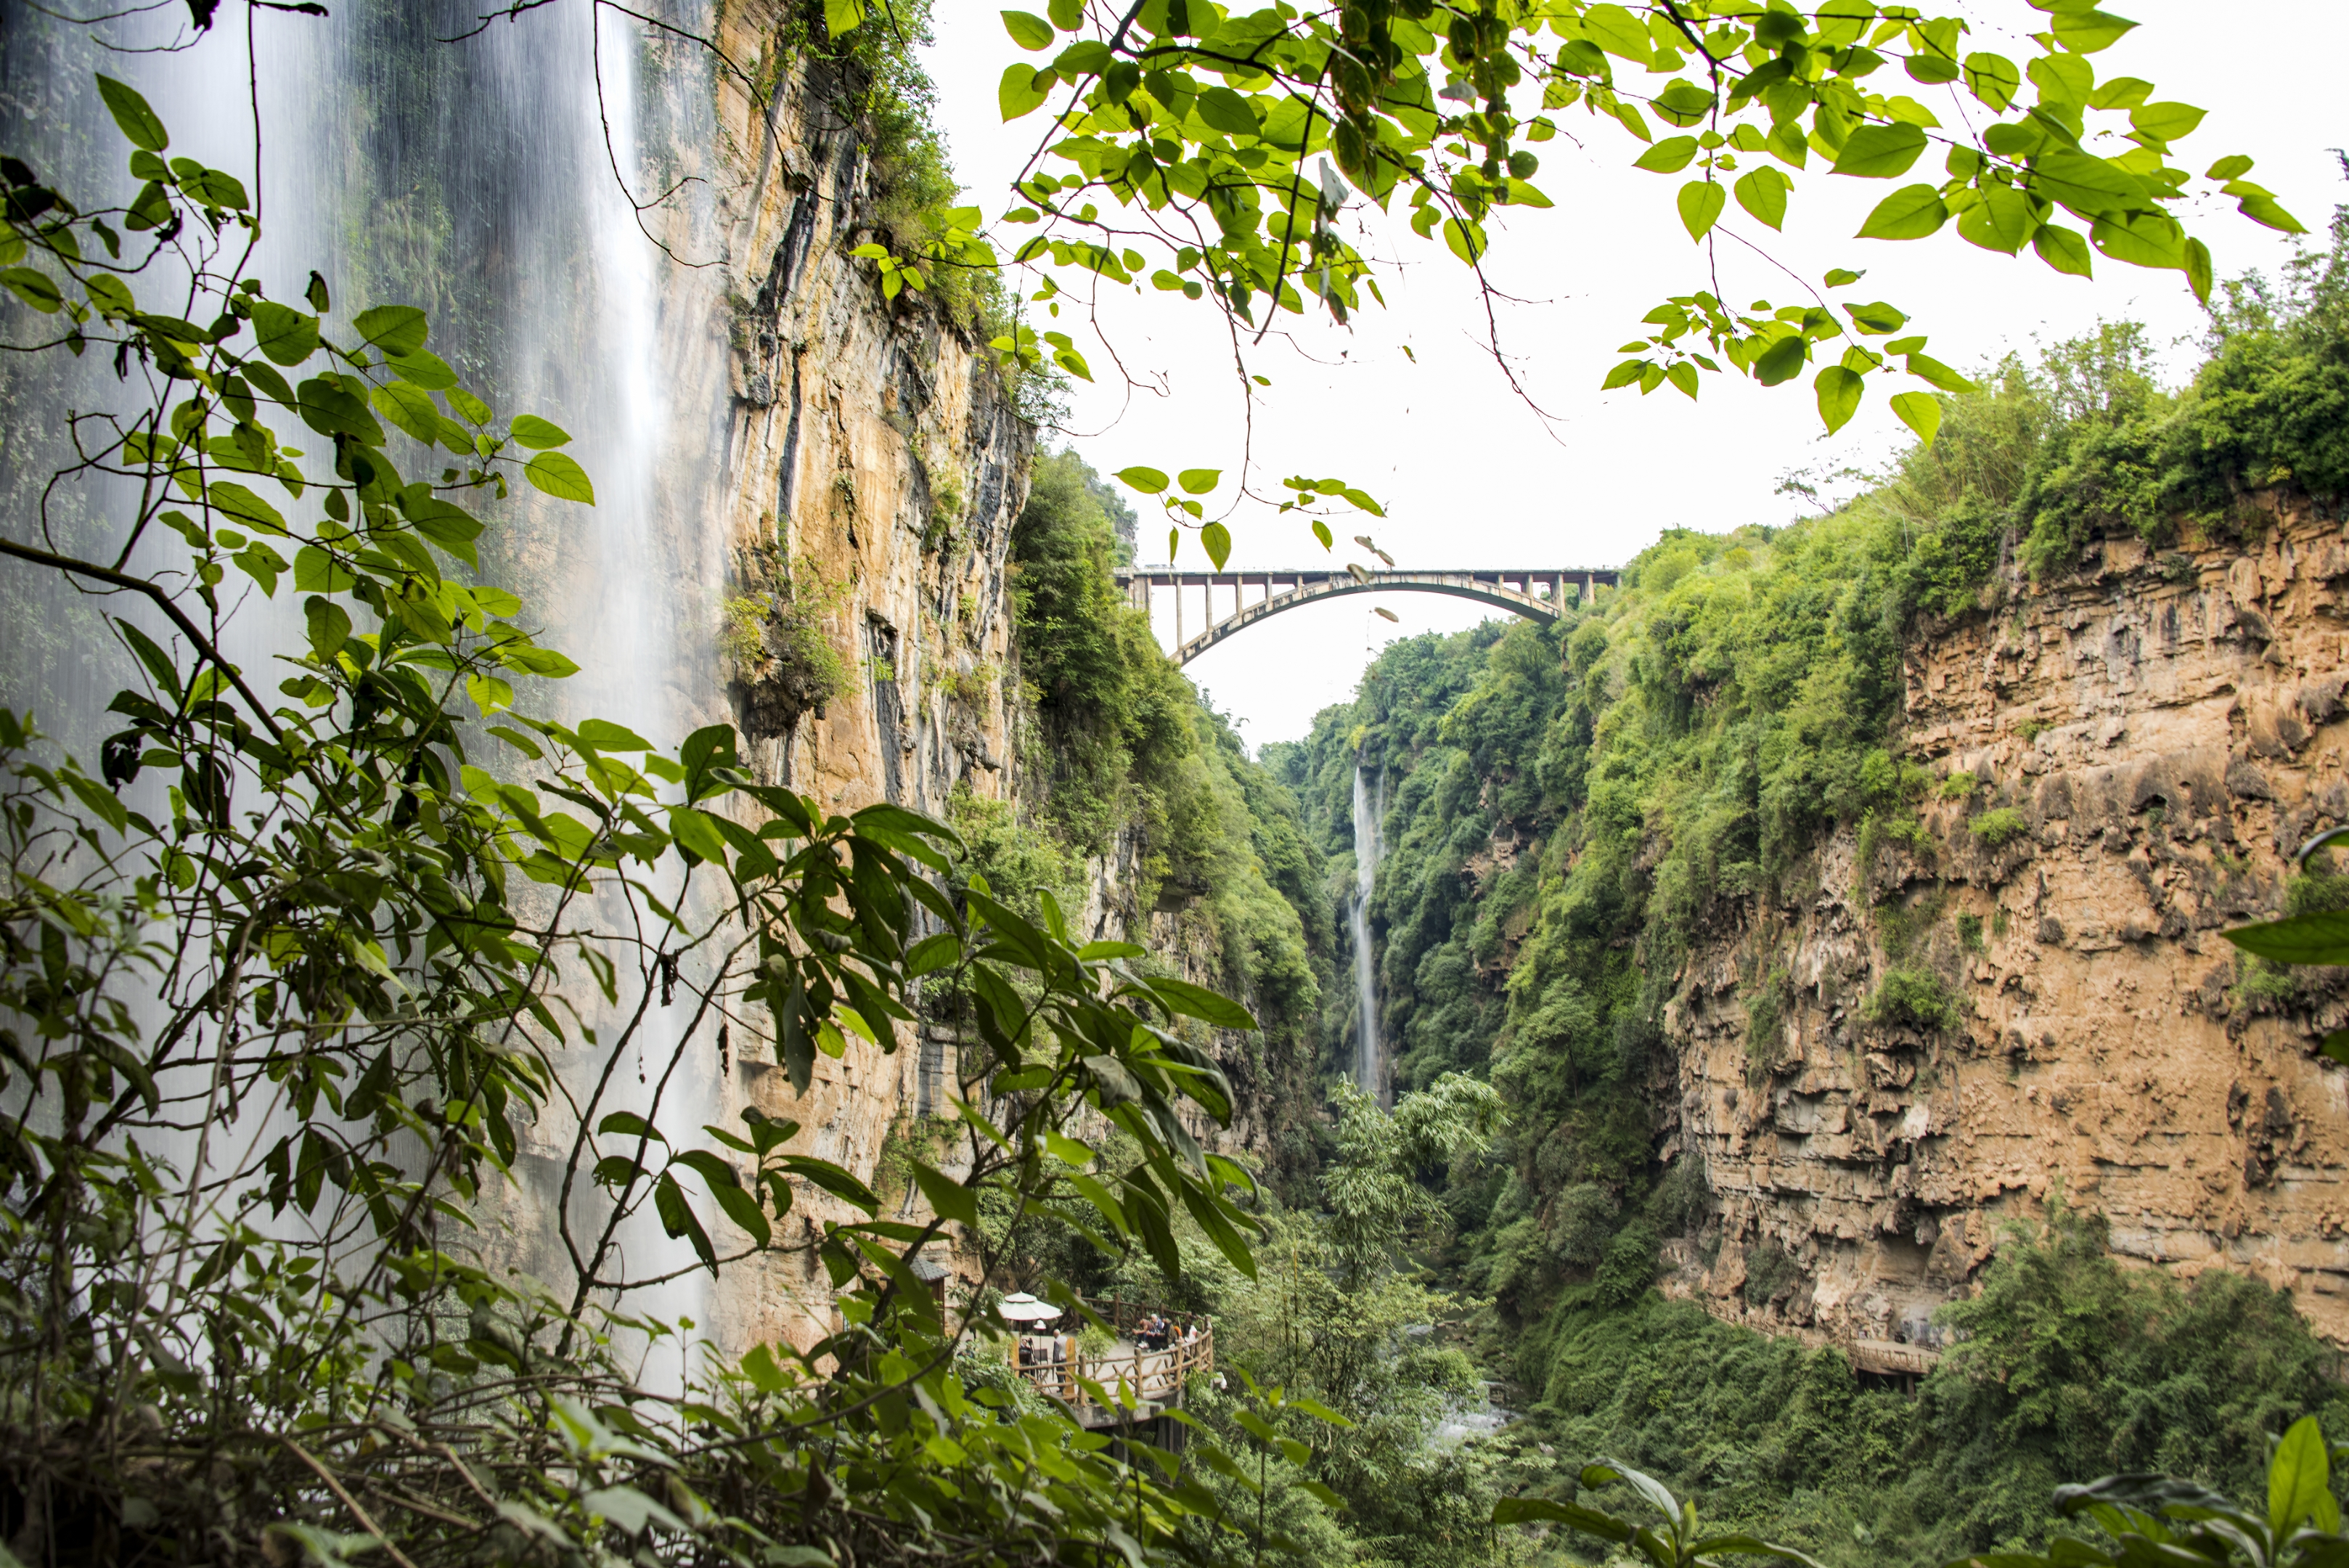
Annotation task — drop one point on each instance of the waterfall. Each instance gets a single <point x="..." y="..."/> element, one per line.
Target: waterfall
<point x="483" y="182"/>
<point x="1370" y="1063"/>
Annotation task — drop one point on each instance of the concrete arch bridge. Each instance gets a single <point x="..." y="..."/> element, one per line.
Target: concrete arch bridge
<point x="1539" y="594"/>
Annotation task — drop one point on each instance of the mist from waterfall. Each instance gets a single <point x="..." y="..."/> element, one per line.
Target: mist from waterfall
<point x="483" y="182"/>
<point x="1370" y="1061"/>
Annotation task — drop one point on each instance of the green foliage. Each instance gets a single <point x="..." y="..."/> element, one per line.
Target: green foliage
<point x="1765" y="1020"/>
<point x="1205" y="128"/>
<point x="291" y="982"/>
<point x="1969" y="933"/>
<point x="1112" y="715"/>
<point x="1373" y="1185"/>
<point x="1999" y="826"/>
<point x="2166" y="1518"/>
<point x="2067" y="1367"/>
<point x="2265" y="411"/>
<point x="1914" y="996"/>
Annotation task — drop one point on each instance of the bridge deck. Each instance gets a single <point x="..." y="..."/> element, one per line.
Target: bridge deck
<point x="1537" y="593"/>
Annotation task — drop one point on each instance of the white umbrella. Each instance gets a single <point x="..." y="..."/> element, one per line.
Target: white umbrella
<point x="1025" y="1308"/>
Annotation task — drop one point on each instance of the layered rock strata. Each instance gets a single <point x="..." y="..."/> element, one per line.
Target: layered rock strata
<point x="2025" y="998"/>
<point x="862" y="469"/>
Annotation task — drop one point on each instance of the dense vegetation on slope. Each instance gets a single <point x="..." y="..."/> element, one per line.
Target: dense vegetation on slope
<point x="1569" y="807"/>
<point x="1119" y="759"/>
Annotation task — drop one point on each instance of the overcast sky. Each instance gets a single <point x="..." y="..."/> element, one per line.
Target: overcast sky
<point x="1472" y="476"/>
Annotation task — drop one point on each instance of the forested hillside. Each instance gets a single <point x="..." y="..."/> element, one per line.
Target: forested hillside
<point x="1572" y="810"/>
<point x="1141" y="811"/>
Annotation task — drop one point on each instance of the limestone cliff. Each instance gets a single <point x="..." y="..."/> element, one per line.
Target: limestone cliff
<point x="865" y="466"/>
<point x="2147" y="743"/>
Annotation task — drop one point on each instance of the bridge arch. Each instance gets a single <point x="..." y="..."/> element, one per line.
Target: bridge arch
<point x="1539" y="594"/>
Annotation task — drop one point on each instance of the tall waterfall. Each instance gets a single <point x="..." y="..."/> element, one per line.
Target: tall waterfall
<point x="1370" y="1061"/>
<point x="483" y="181"/>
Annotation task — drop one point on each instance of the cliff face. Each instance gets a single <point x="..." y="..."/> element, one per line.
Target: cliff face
<point x="2031" y="997"/>
<point x="857" y="471"/>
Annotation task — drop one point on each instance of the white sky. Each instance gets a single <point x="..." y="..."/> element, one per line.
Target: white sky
<point x="1470" y="476"/>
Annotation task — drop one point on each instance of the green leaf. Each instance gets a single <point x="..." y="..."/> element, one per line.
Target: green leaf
<point x="627" y="1124"/>
<point x="131" y="112"/>
<point x="602" y="736"/>
<point x="1993" y="78"/>
<point x="1148" y="481"/>
<point x="948" y="1199"/>
<point x="1669" y="156"/>
<point x="2083" y="32"/>
<point x="1911" y="212"/>
<point x="833" y="1180"/>
<point x="1217" y="540"/>
<point x="2166" y="121"/>
<point x="394" y="329"/>
<point x="1199" y="481"/>
<point x="409" y="408"/>
<point x="2000" y="219"/>
<point x="1763" y="194"/>
<point x="695" y="831"/>
<point x="2304" y="939"/>
<point x="1876" y="318"/>
<point x="677" y="1218"/>
<point x="2234" y="166"/>
<point x="841" y="17"/>
<point x="1198" y="1002"/>
<point x="1022" y="90"/>
<point x="423" y="369"/>
<point x="531" y="431"/>
<point x="1223" y="110"/>
<point x="2264" y="209"/>
<point x="1880" y="151"/>
<point x="1920" y="411"/>
<point x="35" y="288"/>
<point x="2088" y="186"/>
<point x="560" y="477"/>
<point x="243" y="507"/>
<point x="329" y="624"/>
<point x="1841" y="276"/>
<point x="2298" y="1476"/>
<point x="1839" y="390"/>
<point x="1938" y="374"/>
<point x="2141" y="239"/>
<point x="2198" y="269"/>
<point x="1783" y="361"/>
<point x="326" y="407"/>
<point x="1617" y="31"/>
<point x="1027" y="30"/>
<point x="316" y="571"/>
<point x="1700" y="201"/>
<point x="2062" y="249"/>
<point x="1542" y="1511"/>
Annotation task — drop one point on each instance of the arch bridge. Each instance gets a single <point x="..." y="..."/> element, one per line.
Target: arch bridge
<point x="1539" y="594"/>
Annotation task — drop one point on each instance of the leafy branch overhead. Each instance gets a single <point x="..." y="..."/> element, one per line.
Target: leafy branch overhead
<point x="1209" y="152"/>
<point x="313" y="991"/>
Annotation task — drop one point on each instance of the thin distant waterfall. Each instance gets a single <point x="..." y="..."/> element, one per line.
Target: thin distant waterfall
<point x="1369" y="1062"/>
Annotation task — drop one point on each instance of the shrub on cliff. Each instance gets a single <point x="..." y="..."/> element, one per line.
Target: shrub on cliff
<point x="1999" y="826"/>
<point x="1913" y="996"/>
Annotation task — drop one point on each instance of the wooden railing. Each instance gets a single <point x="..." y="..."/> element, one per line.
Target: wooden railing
<point x="1058" y="1367"/>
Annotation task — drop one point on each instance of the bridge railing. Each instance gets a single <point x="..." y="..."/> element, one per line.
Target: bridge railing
<point x="1058" y="1366"/>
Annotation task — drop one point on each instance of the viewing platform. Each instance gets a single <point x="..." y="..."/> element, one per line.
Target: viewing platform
<point x="1152" y="1374"/>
